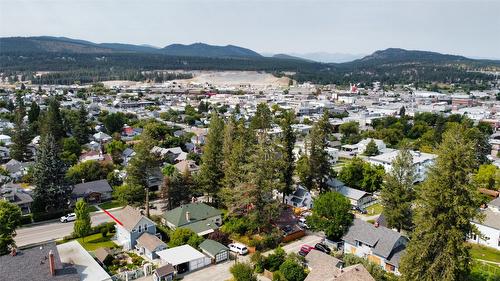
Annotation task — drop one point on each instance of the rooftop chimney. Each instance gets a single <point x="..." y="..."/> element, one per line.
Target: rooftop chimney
<point x="52" y="263"/>
<point x="188" y="216"/>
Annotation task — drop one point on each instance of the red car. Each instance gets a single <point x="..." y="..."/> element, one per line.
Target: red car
<point x="305" y="249"/>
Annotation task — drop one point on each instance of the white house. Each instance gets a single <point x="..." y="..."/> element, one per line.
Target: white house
<point x="130" y="225"/>
<point x="300" y="198"/>
<point x="334" y="154"/>
<point x="421" y="162"/>
<point x="362" y="145"/>
<point x="378" y="244"/>
<point x="489" y="227"/>
<point x="6" y="140"/>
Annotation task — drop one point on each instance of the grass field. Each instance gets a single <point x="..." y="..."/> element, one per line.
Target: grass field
<point x="94" y="241"/>
<point x="92" y="208"/>
<point x="374" y="209"/>
<point x="111" y="205"/>
<point x="485" y="253"/>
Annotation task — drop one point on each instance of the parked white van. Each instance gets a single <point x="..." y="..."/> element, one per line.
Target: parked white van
<point x="238" y="248"/>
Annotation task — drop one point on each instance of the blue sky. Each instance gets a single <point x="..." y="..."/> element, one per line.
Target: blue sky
<point x="470" y="28"/>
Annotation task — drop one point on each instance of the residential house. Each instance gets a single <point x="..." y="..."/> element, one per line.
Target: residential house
<point x="127" y="154"/>
<point x="215" y="250"/>
<point x="358" y="198"/>
<point x="489" y="227"/>
<point x="173" y="155"/>
<point x="184" y="258"/>
<point x="199" y="217"/>
<point x="15" y="194"/>
<point x="164" y="273"/>
<point x="101" y="137"/>
<point x="4" y="154"/>
<point x="324" y="267"/>
<point x="148" y="245"/>
<point x="17" y="169"/>
<point x="130" y="225"/>
<point x="187" y="165"/>
<point x="300" y="198"/>
<point x="92" y="191"/>
<point x="5" y="140"/>
<point x="421" y="162"/>
<point x="378" y="244"/>
<point x="40" y="263"/>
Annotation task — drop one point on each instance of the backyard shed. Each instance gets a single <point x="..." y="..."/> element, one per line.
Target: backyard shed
<point x="184" y="258"/>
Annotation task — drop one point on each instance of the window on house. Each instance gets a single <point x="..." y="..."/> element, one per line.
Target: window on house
<point x="140" y="229"/>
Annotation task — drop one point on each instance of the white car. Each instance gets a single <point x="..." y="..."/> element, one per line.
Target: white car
<point x="68" y="217"/>
<point x="238" y="248"/>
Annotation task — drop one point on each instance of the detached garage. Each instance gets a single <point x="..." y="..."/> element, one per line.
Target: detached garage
<point x="184" y="258"/>
<point x="215" y="250"/>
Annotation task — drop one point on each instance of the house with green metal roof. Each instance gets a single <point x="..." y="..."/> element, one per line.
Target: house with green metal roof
<point x="199" y="217"/>
<point x="215" y="250"/>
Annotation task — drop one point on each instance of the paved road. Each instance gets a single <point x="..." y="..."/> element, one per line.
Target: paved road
<point x="221" y="271"/>
<point x="53" y="230"/>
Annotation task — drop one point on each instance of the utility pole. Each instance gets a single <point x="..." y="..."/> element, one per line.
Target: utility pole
<point x="147" y="201"/>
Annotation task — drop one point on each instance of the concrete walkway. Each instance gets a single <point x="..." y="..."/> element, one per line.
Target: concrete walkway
<point x="88" y="269"/>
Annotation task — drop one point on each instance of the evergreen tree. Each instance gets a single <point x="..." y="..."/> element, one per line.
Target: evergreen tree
<point x="287" y="163"/>
<point x="51" y="192"/>
<point x="53" y="121"/>
<point x="141" y="168"/>
<point x="33" y="113"/>
<point x="211" y="170"/>
<point x="397" y="192"/>
<point x="82" y="225"/>
<point x="445" y="205"/>
<point x="262" y="118"/>
<point x="21" y="137"/>
<point x="81" y="129"/>
<point x="371" y="149"/>
<point x="319" y="159"/>
<point x="304" y="172"/>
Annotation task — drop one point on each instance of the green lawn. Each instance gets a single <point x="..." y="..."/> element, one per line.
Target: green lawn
<point x="92" y="208"/>
<point x="111" y="205"/>
<point x="374" y="209"/>
<point x="484" y="253"/>
<point x="94" y="241"/>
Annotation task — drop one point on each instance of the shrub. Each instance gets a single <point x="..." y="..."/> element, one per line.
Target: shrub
<point x="48" y="216"/>
<point x="292" y="271"/>
<point x="27" y="219"/>
<point x="274" y="260"/>
<point x="243" y="272"/>
<point x="104" y="231"/>
<point x="258" y="260"/>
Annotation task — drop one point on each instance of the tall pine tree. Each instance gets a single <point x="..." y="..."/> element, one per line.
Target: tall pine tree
<point x="397" y="192"/>
<point x="51" y="191"/>
<point x="53" y="121"/>
<point x="319" y="159"/>
<point x="445" y="205"/>
<point x="81" y="129"/>
<point x="211" y="170"/>
<point x="21" y="137"/>
<point x="287" y="161"/>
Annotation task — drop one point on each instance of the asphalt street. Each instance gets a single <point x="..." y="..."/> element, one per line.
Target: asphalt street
<point x="53" y="230"/>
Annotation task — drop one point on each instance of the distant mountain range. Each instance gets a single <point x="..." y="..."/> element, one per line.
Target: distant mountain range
<point x="111" y="60"/>
<point x="68" y="45"/>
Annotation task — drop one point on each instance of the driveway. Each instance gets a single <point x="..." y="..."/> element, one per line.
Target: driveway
<point x="53" y="230"/>
<point x="220" y="272"/>
<point x="88" y="269"/>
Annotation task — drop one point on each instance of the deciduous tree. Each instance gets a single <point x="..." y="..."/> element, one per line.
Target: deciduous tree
<point x="331" y="213"/>
<point x="82" y="225"/>
<point x="10" y="219"/>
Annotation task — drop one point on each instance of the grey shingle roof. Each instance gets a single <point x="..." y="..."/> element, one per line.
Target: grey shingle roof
<point x="33" y="264"/>
<point x="382" y="239"/>
<point x="150" y="242"/>
<point x="100" y="186"/>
